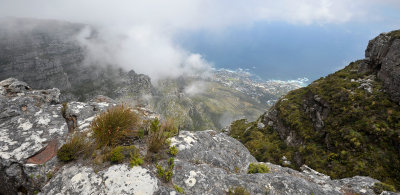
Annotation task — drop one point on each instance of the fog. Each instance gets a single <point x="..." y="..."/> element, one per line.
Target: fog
<point x="141" y="35"/>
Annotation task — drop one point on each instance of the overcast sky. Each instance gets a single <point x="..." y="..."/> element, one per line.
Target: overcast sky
<point x="277" y="39"/>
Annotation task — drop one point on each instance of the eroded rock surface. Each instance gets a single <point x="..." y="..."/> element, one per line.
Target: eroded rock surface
<point x="382" y="55"/>
<point x="32" y="128"/>
<point x="30" y="120"/>
<point x="118" y="179"/>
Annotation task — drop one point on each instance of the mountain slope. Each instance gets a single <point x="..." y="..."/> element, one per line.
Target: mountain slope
<point x="212" y="108"/>
<point x="47" y="54"/>
<point x="345" y="124"/>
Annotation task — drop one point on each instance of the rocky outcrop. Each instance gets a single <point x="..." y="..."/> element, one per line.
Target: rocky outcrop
<point x="340" y="124"/>
<point x="32" y="128"/>
<point x="33" y="125"/>
<point x="382" y="55"/>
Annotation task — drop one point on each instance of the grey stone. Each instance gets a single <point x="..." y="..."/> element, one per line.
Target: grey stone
<point x="208" y="162"/>
<point x="27" y="123"/>
<point x="117" y="179"/>
<point x="384" y="58"/>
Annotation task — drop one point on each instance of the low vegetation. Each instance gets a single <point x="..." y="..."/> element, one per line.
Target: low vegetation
<point x="73" y="149"/>
<point x="179" y="189"/>
<point x="380" y="187"/>
<point x="360" y="134"/>
<point x="238" y="191"/>
<point x="120" y="153"/>
<point x="159" y="133"/>
<point x="136" y="159"/>
<point x="115" y="133"/>
<point x="166" y="173"/>
<point x="258" y="168"/>
<point x="112" y="126"/>
<point x="173" y="150"/>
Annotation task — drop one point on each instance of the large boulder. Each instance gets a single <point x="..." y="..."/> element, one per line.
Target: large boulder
<point x="383" y="56"/>
<point x="32" y="128"/>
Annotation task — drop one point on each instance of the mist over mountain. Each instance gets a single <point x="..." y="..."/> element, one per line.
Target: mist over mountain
<point x="200" y="97"/>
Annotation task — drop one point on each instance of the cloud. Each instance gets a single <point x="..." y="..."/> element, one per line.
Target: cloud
<point x="140" y="35"/>
<point x="196" y="87"/>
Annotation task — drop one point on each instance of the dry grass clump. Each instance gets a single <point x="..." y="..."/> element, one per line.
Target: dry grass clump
<point x="112" y="126"/>
<point x="72" y="149"/>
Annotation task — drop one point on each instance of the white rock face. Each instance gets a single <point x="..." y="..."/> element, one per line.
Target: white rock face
<point x="121" y="179"/>
<point x="185" y="140"/>
<point x="117" y="179"/>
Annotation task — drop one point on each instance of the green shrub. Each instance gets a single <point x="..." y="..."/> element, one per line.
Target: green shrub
<point x="72" y="149"/>
<point x="173" y="150"/>
<point x="158" y="134"/>
<point x="258" y="168"/>
<point x="110" y="127"/>
<point x="178" y="189"/>
<point x="119" y="153"/>
<point x="238" y="191"/>
<point x="380" y="187"/>
<point x="141" y="133"/>
<point x="116" y="155"/>
<point x="166" y="175"/>
<point x="135" y="160"/>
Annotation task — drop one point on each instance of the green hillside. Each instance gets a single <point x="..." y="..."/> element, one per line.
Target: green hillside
<point x="341" y="125"/>
<point x="213" y="108"/>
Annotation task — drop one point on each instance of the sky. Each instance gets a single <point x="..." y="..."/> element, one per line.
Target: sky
<point x="284" y="39"/>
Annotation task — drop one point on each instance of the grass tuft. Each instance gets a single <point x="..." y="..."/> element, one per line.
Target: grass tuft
<point x="112" y="126"/>
<point x="72" y="149"/>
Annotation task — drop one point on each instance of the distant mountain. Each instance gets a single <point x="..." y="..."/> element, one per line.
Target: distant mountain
<point x="46" y="54"/>
<point x="214" y="102"/>
<point x="345" y="124"/>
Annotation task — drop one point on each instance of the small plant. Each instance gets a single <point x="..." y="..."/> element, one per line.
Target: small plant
<point x="72" y="149"/>
<point x="162" y="173"/>
<point x="116" y="155"/>
<point x="135" y="160"/>
<point x="237" y="170"/>
<point x="141" y="133"/>
<point x="110" y="127"/>
<point x="158" y="135"/>
<point x="173" y="150"/>
<point x="64" y="109"/>
<point x="380" y="187"/>
<point x="238" y="191"/>
<point x="258" y="168"/>
<point x="49" y="175"/>
<point x="179" y="189"/>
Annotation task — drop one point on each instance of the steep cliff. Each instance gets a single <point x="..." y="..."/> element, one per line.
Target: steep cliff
<point x="345" y="124"/>
<point x="46" y="54"/>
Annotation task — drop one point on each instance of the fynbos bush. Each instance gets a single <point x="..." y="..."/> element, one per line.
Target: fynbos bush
<point x="112" y="126"/>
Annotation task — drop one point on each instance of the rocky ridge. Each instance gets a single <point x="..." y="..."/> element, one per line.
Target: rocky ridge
<point x="344" y="124"/>
<point x="32" y="128"/>
<point x="382" y="56"/>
